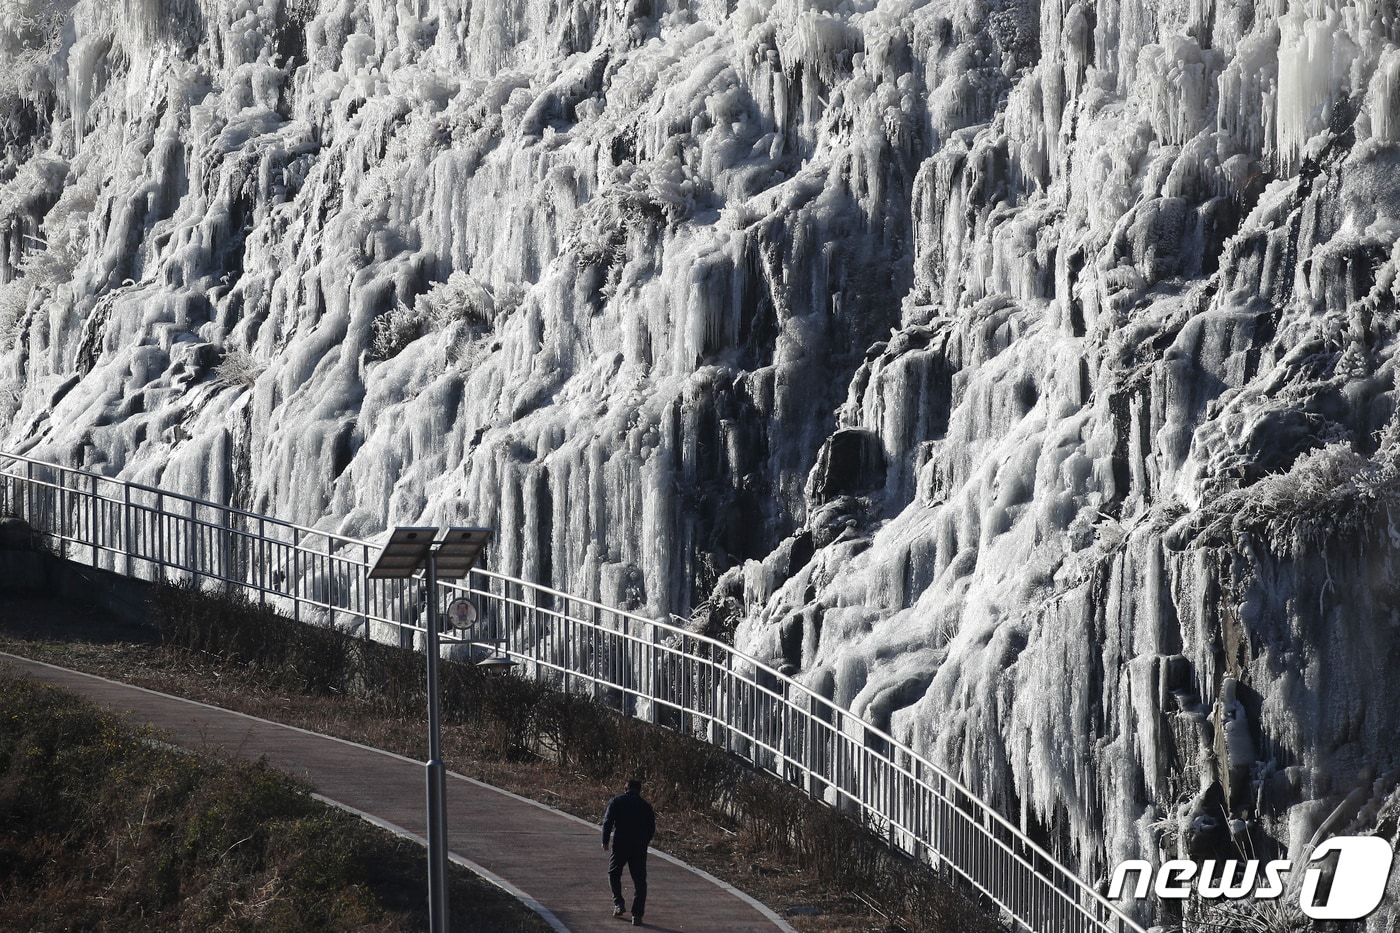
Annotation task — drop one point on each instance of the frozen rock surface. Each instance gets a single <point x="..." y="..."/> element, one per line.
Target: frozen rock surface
<point x="1021" y="375"/>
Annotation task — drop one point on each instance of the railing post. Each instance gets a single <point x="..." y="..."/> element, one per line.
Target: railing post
<point x="571" y="644"/>
<point x="652" y="673"/>
<point x="784" y="718"/>
<point x="160" y="535"/>
<point x="679" y="684"/>
<point x="192" y="543"/>
<point x="226" y="547"/>
<point x="593" y="653"/>
<point x="624" y="665"/>
<point x="94" y="535"/>
<point x="262" y="561"/>
<point x="127" y="543"/>
<point x="867" y="789"/>
<point x="719" y="727"/>
<point x="364" y="590"/>
<point x="330" y="580"/>
<point x="545" y="640"/>
<point x="296" y="573"/>
<point x="731" y="709"/>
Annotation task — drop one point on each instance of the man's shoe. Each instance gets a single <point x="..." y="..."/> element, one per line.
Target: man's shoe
<point x="618" y="911"/>
<point x="636" y="921"/>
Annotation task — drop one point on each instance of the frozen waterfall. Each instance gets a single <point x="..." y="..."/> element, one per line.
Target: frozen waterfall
<point x="1021" y="375"/>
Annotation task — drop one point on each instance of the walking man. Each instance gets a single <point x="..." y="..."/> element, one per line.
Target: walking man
<point x="628" y="826"/>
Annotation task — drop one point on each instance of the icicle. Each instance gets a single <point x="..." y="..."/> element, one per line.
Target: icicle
<point x="1383" y="98"/>
<point x="1314" y="69"/>
<point x="1177" y="82"/>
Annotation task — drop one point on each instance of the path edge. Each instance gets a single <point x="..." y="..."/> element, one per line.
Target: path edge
<point x="757" y="905"/>
<point x="486" y="874"/>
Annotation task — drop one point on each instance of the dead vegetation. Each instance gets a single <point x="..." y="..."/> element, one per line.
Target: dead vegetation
<point x="107" y="828"/>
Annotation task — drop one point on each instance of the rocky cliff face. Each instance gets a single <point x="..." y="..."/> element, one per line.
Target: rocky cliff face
<point x="1019" y="374"/>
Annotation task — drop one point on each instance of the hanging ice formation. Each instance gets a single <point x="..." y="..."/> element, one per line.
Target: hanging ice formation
<point x="1019" y="374"/>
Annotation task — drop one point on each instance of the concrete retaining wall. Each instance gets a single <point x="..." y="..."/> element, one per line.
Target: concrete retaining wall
<point x="27" y="569"/>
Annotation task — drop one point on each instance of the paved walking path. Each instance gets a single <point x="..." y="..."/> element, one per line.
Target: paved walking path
<point x="551" y="860"/>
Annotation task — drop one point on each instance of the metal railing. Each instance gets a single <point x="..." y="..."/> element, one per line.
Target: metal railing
<point x="650" y="669"/>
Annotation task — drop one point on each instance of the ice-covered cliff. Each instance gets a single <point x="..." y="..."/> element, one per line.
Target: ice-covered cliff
<point x="1021" y="374"/>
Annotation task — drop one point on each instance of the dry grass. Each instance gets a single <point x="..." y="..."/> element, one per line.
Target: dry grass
<point x="823" y="872"/>
<point x="109" y="829"/>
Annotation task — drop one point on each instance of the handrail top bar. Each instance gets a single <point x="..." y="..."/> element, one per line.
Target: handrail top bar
<point x="783" y="679"/>
<point x="345" y="539"/>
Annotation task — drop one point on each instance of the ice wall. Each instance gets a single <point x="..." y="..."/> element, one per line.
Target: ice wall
<point x="1127" y="558"/>
<point x="1019" y="374"/>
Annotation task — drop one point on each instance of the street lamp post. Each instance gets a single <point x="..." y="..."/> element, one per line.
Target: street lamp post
<point x="408" y="551"/>
<point x="437" y="772"/>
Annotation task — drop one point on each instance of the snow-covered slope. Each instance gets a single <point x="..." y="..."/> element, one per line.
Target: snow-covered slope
<point x="1019" y="374"/>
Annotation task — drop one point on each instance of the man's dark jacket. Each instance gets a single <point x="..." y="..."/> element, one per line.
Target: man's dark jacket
<point x="632" y="818"/>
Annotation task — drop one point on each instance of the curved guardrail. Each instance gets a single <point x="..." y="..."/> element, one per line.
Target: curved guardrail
<point x="650" y="669"/>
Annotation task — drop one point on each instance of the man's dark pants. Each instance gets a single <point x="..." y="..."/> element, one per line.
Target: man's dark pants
<point x="636" y="862"/>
